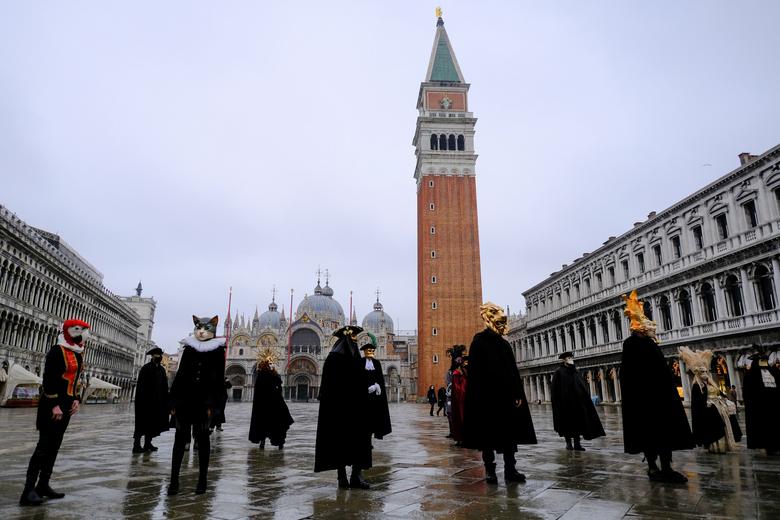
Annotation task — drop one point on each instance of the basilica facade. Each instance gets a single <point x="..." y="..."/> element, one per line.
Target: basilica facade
<point x="303" y="341"/>
<point x="707" y="268"/>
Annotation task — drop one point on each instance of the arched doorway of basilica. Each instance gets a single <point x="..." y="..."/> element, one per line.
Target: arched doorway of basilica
<point x="301" y="377"/>
<point x="237" y="377"/>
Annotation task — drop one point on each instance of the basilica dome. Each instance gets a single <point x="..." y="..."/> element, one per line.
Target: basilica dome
<point x="271" y="318"/>
<point x="378" y="321"/>
<point x="322" y="308"/>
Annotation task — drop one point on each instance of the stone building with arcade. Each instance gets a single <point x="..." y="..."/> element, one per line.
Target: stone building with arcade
<point x="303" y="341"/>
<point x="707" y="268"/>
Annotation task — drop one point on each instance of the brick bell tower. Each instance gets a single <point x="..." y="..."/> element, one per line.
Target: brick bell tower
<point x="449" y="280"/>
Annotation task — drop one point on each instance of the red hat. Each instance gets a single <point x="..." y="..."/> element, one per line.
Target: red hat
<point x="72" y="323"/>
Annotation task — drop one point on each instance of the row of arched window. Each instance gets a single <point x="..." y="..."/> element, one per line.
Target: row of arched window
<point x="448" y="142"/>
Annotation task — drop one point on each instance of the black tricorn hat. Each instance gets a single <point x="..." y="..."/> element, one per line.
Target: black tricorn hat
<point x="155" y="350"/>
<point x="565" y="355"/>
<point x="348" y="331"/>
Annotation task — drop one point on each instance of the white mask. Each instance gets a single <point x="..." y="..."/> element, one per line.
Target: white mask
<point x="569" y="360"/>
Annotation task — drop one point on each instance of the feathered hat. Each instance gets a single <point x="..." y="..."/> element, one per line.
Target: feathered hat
<point x="266" y="356"/>
<point x="700" y="360"/>
<point x="635" y="310"/>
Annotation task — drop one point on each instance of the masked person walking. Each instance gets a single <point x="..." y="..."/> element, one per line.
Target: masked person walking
<point x="151" y="402"/>
<point x="574" y="414"/>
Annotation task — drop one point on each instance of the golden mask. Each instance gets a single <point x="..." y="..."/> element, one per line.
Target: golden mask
<point x="494" y="317"/>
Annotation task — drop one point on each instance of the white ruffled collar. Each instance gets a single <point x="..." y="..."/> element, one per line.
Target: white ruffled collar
<point x="369" y="364"/>
<point x="75" y="348"/>
<point x="203" y="346"/>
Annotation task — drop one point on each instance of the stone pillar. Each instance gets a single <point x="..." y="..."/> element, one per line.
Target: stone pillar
<point x="616" y="381"/>
<point x="591" y="383"/>
<point x="695" y="305"/>
<point x="686" y="383"/>
<point x="776" y="280"/>
<point x="748" y="294"/>
<point x="546" y="380"/>
<point x="720" y="299"/>
<point x="604" y="387"/>
<point x="733" y="377"/>
<point x="536" y="388"/>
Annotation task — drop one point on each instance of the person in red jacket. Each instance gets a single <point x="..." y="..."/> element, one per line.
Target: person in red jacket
<point x="59" y="402"/>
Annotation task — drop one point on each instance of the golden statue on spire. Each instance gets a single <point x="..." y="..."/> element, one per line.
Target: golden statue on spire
<point x="438" y="12"/>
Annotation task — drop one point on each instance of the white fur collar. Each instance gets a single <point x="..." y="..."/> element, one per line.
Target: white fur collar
<point x="75" y="348"/>
<point x="203" y="346"/>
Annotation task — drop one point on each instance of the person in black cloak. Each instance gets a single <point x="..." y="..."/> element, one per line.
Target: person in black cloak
<point x="378" y="409"/>
<point x="574" y="414"/>
<point x="270" y="416"/>
<point x="196" y="394"/>
<point x="654" y="421"/>
<point x="713" y="416"/>
<point x="496" y="415"/>
<point x="761" y="390"/>
<point x="151" y="402"/>
<point x="342" y="425"/>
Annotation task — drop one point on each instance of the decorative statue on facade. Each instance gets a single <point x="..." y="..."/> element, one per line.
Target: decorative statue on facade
<point x="151" y="403"/>
<point x="497" y="417"/>
<point x="761" y="390"/>
<point x="713" y="415"/>
<point x="270" y="416"/>
<point x="654" y="421"/>
<point x="60" y="401"/>
<point x="343" y="437"/>
<point x="574" y="414"/>
<point x="196" y="395"/>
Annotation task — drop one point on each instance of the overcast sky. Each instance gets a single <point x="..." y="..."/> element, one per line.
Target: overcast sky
<point x="198" y="145"/>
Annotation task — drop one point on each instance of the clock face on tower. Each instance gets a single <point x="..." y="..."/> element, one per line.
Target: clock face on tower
<point x="445" y="103"/>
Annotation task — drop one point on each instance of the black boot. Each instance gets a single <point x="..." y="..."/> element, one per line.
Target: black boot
<point x="342" y="476"/>
<point x="356" y="481"/>
<point x="262" y="444"/>
<point x="203" y="465"/>
<point x="137" y="445"/>
<point x="668" y="474"/>
<point x="178" y="455"/>
<point x="150" y="447"/>
<point x="490" y="473"/>
<point x="44" y="490"/>
<point x="568" y="444"/>
<point x="29" y="496"/>
<point x="577" y="445"/>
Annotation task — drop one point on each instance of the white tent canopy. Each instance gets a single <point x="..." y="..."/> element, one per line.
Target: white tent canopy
<point x="17" y="375"/>
<point x="98" y="384"/>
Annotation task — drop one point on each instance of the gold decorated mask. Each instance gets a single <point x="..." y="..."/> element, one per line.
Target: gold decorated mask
<point x="369" y="352"/>
<point x="494" y="317"/>
<point x="266" y="358"/>
<point x="635" y="311"/>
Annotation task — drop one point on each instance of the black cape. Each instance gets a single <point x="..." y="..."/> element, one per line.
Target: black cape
<point x="491" y="419"/>
<point x="762" y="408"/>
<point x="270" y="416"/>
<point x="573" y="410"/>
<point x="378" y="410"/>
<point x="151" y="401"/>
<point x="653" y="414"/>
<point x="343" y="436"/>
<point x="706" y="422"/>
<point x="199" y="385"/>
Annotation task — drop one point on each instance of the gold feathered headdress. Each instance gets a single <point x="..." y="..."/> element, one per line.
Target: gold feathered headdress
<point x="266" y="357"/>
<point x="635" y="310"/>
<point x="696" y="361"/>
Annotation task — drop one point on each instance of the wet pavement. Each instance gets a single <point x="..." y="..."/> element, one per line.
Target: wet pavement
<point x="417" y="474"/>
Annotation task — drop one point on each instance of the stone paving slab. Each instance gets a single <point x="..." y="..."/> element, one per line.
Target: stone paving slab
<point x="417" y="474"/>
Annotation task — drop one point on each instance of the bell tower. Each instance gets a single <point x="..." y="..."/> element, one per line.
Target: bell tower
<point x="449" y="280"/>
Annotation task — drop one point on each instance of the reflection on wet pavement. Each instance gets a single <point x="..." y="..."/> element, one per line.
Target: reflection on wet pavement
<point x="417" y="473"/>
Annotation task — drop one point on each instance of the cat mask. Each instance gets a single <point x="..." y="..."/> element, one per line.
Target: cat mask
<point x="205" y="328"/>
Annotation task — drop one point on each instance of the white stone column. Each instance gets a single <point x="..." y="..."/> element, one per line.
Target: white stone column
<point x="604" y="387"/>
<point x="591" y="383"/>
<point x="546" y="380"/>
<point x="616" y="381"/>
<point x="776" y="280"/>
<point x="695" y="305"/>
<point x="733" y="378"/>
<point x="536" y="389"/>
<point x="748" y="294"/>
<point x="686" y="383"/>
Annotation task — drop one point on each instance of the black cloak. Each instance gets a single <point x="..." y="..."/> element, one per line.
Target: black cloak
<point x="573" y="410"/>
<point x="762" y="408"/>
<point x="270" y="416"/>
<point x="491" y="419"/>
<point x="151" y="401"/>
<point x="653" y="414"/>
<point x="378" y="410"/>
<point x="199" y="385"/>
<point x="343" y="436"/>
<point x="706" y="422"/>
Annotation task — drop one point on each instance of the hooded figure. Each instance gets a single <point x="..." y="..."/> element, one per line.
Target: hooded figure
<point x="151" y="402"/>
<point x="761" y="390"/>
<point x="497" y="417"/>
<point x="270" y="416"/>
<point x="713" y="415"/>
<point x="378" y="409"/>
<point x="574" y="414"/>
<point x="343" y="437"/>
<point x="654" y="421"/>
<point x="196" y="395"/>
<point x="60" y="400"/>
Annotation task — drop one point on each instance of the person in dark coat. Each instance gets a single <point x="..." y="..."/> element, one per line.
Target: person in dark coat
<point x="196" y="395"/>
<point x="270" y="416"/>
<point x="574" y="414"/>
<point x="378" y="409"/>
<point x="432" y="397"/>
<point x="342" y="423"/>
<point x="654" y="421"/>
<point x="458" y="396"/>
<point x="151" y="402"/>
<point x="497" y="417"/>
<point x="60" y="401"/>
<point x="761" y="390"/>
<point x="441" y="400"/>
<point x="713" y="416"/>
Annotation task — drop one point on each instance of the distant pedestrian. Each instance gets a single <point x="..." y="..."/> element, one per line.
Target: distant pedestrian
<point x="441" y="400"/>
<point x="432" y="397"/>
<point x="59" y="402"/>
<point x="151" y="403"/>
<point x="458" y="396"/>
<point x="732" y="394"/>
<point x="574" y="414"/>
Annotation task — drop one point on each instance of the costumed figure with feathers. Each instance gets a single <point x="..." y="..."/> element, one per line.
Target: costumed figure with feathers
<point x="713" y="415"/>
<point x="654" y="421"/>
<point x="343" y="428"/>
<point x="574" y="414"/>
<point x="497" y="417"/>
<point x="196" y="395"/>
<point x="761" y="390"/>
<point x="270" y="416"/>
<point x="151" y="403"/>
<point x="60" y="401"/>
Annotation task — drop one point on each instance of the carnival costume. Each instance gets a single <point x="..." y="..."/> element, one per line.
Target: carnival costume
<point x="761" y="390"/>
<point x="151" y="403"/>
<point x="270" y="416"/>
<point x="574" y="414"/>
